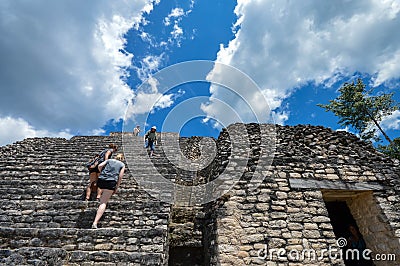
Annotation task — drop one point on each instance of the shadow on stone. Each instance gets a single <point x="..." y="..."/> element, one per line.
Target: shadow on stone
<point x="85" y="218"/>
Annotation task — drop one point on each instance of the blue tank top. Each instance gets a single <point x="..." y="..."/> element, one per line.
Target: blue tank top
<point x="111" y="170"/>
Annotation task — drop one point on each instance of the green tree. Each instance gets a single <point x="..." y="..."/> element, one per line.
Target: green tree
<point x="356" y="107"/>
<point x="393" y="149"/>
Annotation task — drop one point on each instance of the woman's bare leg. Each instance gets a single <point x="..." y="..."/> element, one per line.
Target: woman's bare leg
<point x="92" y="178"/>
<point x="105" y="196"/>
<point x="98" y="189"/>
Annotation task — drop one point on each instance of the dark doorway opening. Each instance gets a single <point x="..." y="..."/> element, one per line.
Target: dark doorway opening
<point x="182" y="256"/>
<point x="341" y="220"/>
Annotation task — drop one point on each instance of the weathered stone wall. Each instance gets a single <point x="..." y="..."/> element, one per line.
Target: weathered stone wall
<point x="274" y="217"/>
<point x="288" y="210"/>
<point x="371" y="214"/>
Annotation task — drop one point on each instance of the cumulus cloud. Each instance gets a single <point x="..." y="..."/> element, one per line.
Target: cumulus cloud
<point x="283" y="45"/>
<point x="392" y="121"/>
<point x="63" y="65"/>
<point x="148" y="99"/>
<point x="13" y="129"/>
<point x="148" y="65"/>
<point x="145" y="102"/>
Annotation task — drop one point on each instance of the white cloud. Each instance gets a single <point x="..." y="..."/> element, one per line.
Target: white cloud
<point x="282" y="45"/>
<point x="63" y="63"/>
<point x="148" y="99"/>
<point x="390" y="69"/>
<point x="97" y="132"/>
<point x="175" y="13"/>
<point x="145" y="102"/>
<point x="13" y="129"/>
<point x="177" y="32"/>
<point x="346" y="129"/>
<point x="148" y="66"/>
<point x="164" y="101"/>
<point x="280" y="117"/>
<point x="392" y="121"/>
<point x="175" y="18"/>
<point x="151" y="63"/>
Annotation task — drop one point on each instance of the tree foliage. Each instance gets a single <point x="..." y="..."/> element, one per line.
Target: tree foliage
<point x="356" y="107"/>
<point x="392" y="150"/>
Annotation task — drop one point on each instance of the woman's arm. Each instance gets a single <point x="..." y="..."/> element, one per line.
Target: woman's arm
<point x="121" y="174"/>
<point x="92" y="166"/>
<point x="107" y="155"/>
<point x="102" y="165"/>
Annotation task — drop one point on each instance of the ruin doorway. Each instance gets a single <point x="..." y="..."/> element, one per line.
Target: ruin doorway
<point x="369" y="207"/>
<point x="341" y="217"/>
<point x="182" y="256"/>
<point x="340" y="213"/>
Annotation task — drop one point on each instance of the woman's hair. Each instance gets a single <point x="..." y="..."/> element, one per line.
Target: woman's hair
<point x="119" y="157"/>
<point x="113" y="146"/>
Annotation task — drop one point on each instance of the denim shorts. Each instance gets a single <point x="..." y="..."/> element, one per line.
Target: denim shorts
<point x="150" y="144"/>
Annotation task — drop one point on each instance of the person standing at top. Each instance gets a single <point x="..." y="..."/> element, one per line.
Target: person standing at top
<point x="136" y="130"/>
<point x="151" y="138"/>
<point x="112" y="171"/>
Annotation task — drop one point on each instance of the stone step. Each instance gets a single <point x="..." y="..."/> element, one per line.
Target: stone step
<point x="41" y="164"/>
<point x="61" y="162"/>
<point x="23" y="171"/>
<point x="79" y="214"/>
<point x="146" y="182"/>
<point x="133" y="240"/>
<point x="29" y="170"/>
<point x="67" y="153"/>
<point x="80" y="152"/>
<point x="42" y="182"/>
<point x="72" y="173"/>
<point x="72" y="151"/>
<point x="78" y="182"/>
<point x="32" y="174"/>
<point x="73" y="193"/>
<point x="59" y="256"/>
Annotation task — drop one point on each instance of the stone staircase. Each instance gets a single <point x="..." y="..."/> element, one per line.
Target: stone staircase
<point x="44" y="222"/>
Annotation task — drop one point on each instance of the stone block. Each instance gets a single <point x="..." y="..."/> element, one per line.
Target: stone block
<point x="311" y="234"/>
<point x="310" y="226"/>
<point x="263" y="206"/>
<point x="321" y="219"/>
<point x="294" y="175"/>
<point x="277" y="224"/>
<point x="243" y="254"/>
<point x="295" y="226"/>
<point x="248" y="247"/>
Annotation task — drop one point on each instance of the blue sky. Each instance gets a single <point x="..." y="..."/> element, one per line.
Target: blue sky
<point x="71" y="67"/>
